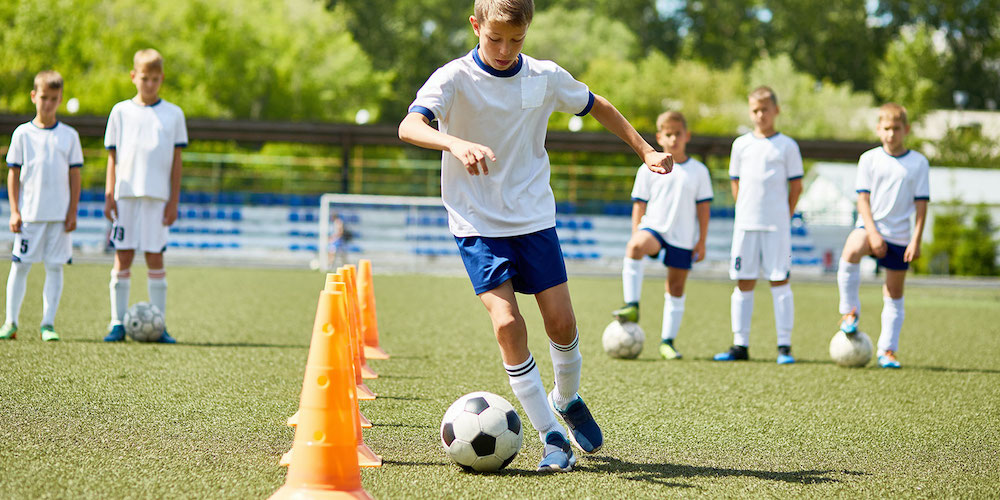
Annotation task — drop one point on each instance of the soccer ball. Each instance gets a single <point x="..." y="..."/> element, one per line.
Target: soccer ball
<point x="481" y="431"/>
<point x="144" y="322"/>
<point x="623" y="340"/>
<point x="851" y="350"/>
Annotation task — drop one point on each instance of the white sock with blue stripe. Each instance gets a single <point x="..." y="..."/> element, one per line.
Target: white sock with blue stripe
<point x="566" y="363"/>
<point x="526" y="381"/>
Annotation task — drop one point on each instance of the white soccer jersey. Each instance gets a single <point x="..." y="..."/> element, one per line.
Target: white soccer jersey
<point x="764" y="166"/>
<point x="44" y="156"/>
<point x="144" y="138"/>
<point x="507" y="111"/>
<point x="672" y="199"/>
<point x="894" y="183"/>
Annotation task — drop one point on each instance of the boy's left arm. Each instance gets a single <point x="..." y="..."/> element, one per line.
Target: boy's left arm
<point x="170" y="211"/>
<point x="74" y="199"/>
<point x="704" y="212"/>
<point x="913" y="249"/>
<point x="609" y="116"/>
<point x="794" y="190"/>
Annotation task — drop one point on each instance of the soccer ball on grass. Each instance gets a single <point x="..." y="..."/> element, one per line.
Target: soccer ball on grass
<point x="144" y="322"/>
<point x="851" y="350"/>
<point x="623" y="340"/>
<point x="481" y="431"/>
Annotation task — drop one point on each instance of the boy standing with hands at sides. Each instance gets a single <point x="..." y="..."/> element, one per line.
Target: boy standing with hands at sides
<point x="43" y="185"/>
<point x="893" y="183"/>
<point x="765" y="171"/>
<point x="492" y="107"/>
<point x="669" y="214"/>
<point x="144" y="139"/>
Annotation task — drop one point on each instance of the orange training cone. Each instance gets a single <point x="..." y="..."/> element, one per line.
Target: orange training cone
<point x="326" y="447"/>
<point x="364" y="393"/>
<point x="369" y="324"/>
<point x="354" y="311"/>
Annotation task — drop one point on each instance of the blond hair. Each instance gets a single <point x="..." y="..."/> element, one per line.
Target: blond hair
<point x="50" y="79"/>
<point x="764" y="92"/>
<point x="147" y="59"/>
<point x="516" y="12"/>
<point x="670" y="116"/>
<point x="892" y="112"/>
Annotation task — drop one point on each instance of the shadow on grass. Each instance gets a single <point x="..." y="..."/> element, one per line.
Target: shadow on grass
<point x="663" y="473"/>
<point x="403" y="398"/>
<point x="190" y="344"/>
<point x="411" y="426"/>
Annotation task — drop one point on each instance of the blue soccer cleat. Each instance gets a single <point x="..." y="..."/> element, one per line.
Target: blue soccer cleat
<point x="849" y="322"/>
<point x="584" y="431"/>
<point x="785" y="355"/>
<point x="166" y="338"/>
<point x="557" y="455"/>
<point x="888" y="360"/>
<point x="735" y="353"/>
<point x="116" y="334"/>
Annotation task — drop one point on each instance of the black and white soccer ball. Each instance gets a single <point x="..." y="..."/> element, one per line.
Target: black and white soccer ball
<point x="623" y="340"/>
<point x="851" y="350"/>
<point x="144" y="322"/>
<point x="481" y="431"/>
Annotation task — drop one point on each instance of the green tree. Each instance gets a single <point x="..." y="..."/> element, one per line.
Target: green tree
<point x="574" y="38"/>
<point x="913" y="72"/>
<point x="957" y="248"/>
<point x="655" y="28"/>
<point x="725" y="32"/>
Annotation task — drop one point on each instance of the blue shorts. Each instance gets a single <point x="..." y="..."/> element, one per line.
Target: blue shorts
<point x="894" y="258"/>
<point x="672" y="256"/>
<point x="533" y="262"/>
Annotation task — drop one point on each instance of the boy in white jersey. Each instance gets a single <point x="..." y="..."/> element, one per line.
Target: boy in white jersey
<point x="765" y="171"/>
<point x="492" y="107"/>
<point x="669" y="214"/>
<point x="43" y="185"/>
<point x="144" y="139"/>
<point x="893" y="183"/>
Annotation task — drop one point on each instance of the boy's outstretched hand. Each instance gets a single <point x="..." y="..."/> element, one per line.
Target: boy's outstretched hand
<point x="472" y="155"/>
<point x="661" y="163"/>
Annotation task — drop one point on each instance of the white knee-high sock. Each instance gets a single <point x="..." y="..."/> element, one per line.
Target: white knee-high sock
<point x="892" y="324"/>
<point x="849" y="283"/>
<point x="632" y="279"/>
<point x="119" y="286"/>
<point x="673" y="312"/>
<point x="526" y="382"/>
<point x="156" y="283"/>
<point x="741" y="311"/>
<point x="784" y="312"/>
<point x="566" y="363"/>
<point x="51" y="293"/>
<point x="17" y="283"/>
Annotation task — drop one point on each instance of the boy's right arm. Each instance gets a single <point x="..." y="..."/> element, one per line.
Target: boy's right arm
<point x="13" y="192"/>
<point x="875" y="240"/>
<point x="638" y="210"/>
<point x="110" y="207"/>
<point x="417" y="130"/>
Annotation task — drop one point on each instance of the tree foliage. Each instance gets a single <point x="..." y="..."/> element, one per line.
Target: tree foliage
<point x="913" y="72"/>
<point x="961" y="248"/>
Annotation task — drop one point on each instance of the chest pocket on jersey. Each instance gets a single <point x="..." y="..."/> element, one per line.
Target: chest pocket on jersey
<point x="532" y="91"/>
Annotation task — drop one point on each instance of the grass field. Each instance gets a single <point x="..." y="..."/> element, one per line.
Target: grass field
<point x="205" y="418"/>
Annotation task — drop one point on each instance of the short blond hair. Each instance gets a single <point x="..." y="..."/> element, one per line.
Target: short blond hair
<point x="892" y="112"/>
<point x="147" y="59"/>
<point x="764" y="92"/>
<point x="516" y="12"/>
<point x="670" y="116"/>
<point x="50" y="79"/>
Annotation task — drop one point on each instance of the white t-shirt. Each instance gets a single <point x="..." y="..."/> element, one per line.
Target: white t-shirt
<point x="507" y="111"/>
<point x="764" y="166"/>
<point x="672" y="199"/>
<point x="144" y="138"/>
<point x="44" y="156"/>
<point x="894" y="183"/>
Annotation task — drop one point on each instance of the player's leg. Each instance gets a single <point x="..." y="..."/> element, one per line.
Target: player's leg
<point x="58" y="252"/>
<point x="744" y="267"/>
<point x="641" y="244"/>
<point x="892" y="317"/>
<point x="777" y="265"/>
<point x="678" y="262"/>
<point x="17" y="284"/>
<point x="124" y="238"/>
<point x="849" y="280"/>
<point x="153" y="242"/>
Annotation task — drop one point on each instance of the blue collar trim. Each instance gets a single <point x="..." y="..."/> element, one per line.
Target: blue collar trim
<point x="506" y="73"/>
<point x="895" y="156"/>
<point x="54" y="125"/>
<point x="158" y="101"/>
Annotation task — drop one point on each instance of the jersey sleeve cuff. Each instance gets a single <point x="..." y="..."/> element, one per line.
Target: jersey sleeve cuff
<point x="13" y="165"/>
<point x="111" y="148"/>
<point x="795" y="178"/>
<point x="703" y="200"/>
<point x="181" y="145"/>
<point x="634" y="199"/>
<point x="590" y="104"/>
<point x="921" y="198"/>
<point x="864" y="191"/>
<point x="734" y="177"/>
<point x="424" y="111"/>
<point x="75" y="165"/>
